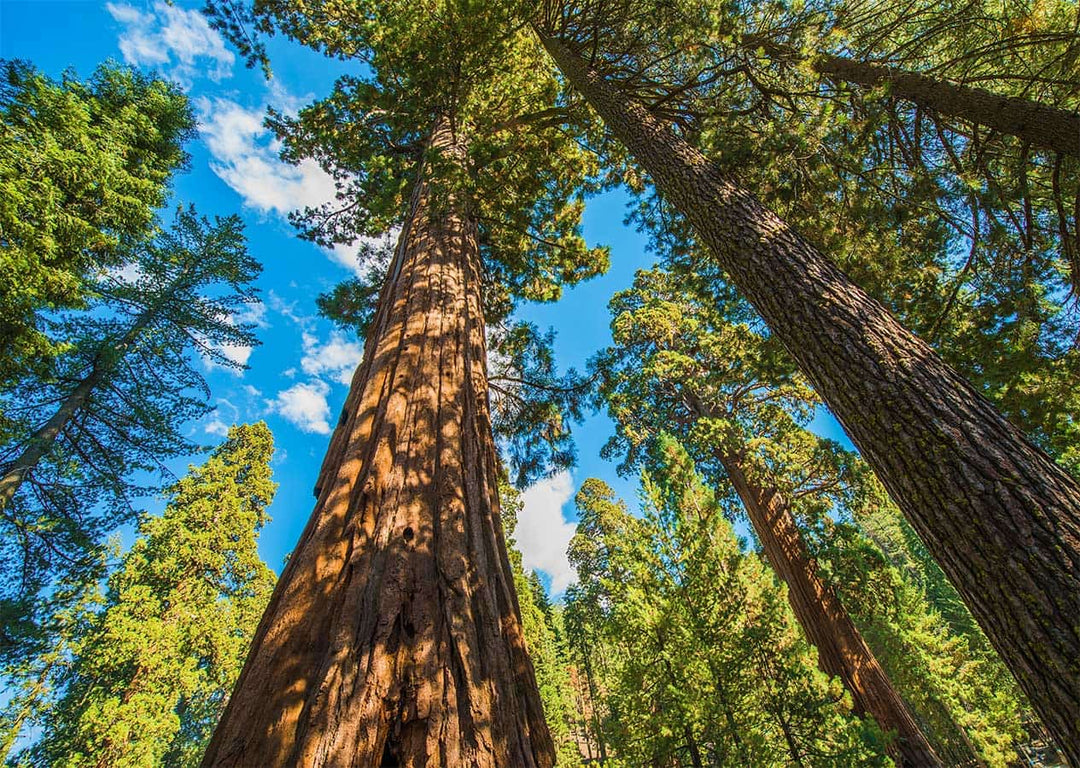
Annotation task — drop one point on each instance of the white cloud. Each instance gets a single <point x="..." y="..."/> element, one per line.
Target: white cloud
<point x="305" y="406"/>
<point x="338" y="356"/>
<point x="543" y="534"/>
<point x="253" y="313"/>
<point x="179" y="41"/>
<point x="216" y="427"/>
<point x="246" y="158"/>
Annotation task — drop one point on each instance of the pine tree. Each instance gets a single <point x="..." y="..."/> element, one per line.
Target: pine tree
<point x="692" y="361"/>
<point x="85" y="164"/>
<point x="151" y="678"/>
<point x="114" y="404"/>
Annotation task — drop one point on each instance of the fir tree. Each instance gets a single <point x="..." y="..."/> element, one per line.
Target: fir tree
<point x="85" y="165"/>
<point x="151" y="678"/>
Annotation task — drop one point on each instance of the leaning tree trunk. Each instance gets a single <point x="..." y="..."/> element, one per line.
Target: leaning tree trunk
<point x="43" y="441"/>
<point x="1037" y="124"/>
<point x="393" y="636"/>
<point x="842" y="652"/>
<point x="1034" y="123"/>
<point x="1000" y="517"/>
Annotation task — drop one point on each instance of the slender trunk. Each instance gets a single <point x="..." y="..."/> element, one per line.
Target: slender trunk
<point x="393" y="636"/>
<point x="589" y="681"/>
<point x="842" y="652"/>
<point x="1037" y="124"/>
<point x="692" y="745"/>
<point x="999" y="516"/>
<point x="1031" y="122"/>
<point x="44" y="439"/>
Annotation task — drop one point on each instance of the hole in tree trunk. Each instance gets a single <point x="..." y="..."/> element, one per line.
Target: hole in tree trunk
<point x="389" y="756"/>
<point x="408" y="534"/>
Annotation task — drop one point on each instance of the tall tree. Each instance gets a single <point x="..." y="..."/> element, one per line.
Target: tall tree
<point x="85" y="164"/>
<point x="969" y="481"/>
<point x="394" y="635"/>
<point x="704" y="661"/>
<point x="541" y="624"/>
<point x="150" y="680"/>
<point x="690" y="361"/>
<point x="115" y="403"/>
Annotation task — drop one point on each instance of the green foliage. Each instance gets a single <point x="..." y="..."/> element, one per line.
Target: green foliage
<point x="542" y="624"/>
<point x="691" y="640"/>
<point x="126" y="386"/>
<point x="689" y="358"/>
<point x="524" y="170"/>
<point x="969" y="236"/>
<point x="152" y="675"/>
<point x="83" y="166"/>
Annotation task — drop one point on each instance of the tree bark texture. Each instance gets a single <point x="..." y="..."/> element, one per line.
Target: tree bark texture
<point x="393" y="636"/>
<point x="996" y="512"/>
<point x="1037" y="124"/>
<point x="842" y="652"/>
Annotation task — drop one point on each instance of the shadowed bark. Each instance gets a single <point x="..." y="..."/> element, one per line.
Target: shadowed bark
<point x="996" y="512"/>
<point x="1038" y="124"/>
<point x="393" y="637"/>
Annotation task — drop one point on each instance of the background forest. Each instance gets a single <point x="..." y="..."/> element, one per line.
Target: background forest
<point x="196" y="255"/>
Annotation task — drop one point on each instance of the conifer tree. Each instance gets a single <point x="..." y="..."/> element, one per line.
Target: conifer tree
<point x="541" y="625"/>
<point x="968" y="480"/>
<point x="114" y="404"/>
<point x="691" y="361"/>
<point x="703" y="661"/>
<point x="84" y="166"/>
<point x="394" y="636"/>
<point x="151" y="678"/>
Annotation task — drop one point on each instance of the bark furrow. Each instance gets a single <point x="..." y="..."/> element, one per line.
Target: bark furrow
<point x="394" y="636"/>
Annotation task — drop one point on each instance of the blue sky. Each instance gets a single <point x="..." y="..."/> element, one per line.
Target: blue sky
<point x="297" y="378"/>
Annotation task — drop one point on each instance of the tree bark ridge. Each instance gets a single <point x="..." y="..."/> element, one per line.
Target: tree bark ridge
<point x="394" y="633"/>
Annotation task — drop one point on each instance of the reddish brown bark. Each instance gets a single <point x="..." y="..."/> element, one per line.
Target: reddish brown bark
<point x="393" y="637"/>
<point x="999" y="516"/>
<point x="842" y="652"/>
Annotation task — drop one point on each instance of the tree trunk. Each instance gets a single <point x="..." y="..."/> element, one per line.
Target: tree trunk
<point x="44" y="439"/>
<point x="842" y="652"/>
<point x="999" y="516"/>
<point x="692" y="746"/>
<point x="393" y="636"/>
<point x="1037" y="124"/>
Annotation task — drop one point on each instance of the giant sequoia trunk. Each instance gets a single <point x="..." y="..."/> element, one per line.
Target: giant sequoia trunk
<point x="393" y="636"/>
<point x="842" y="652"/>
<point x="1000" y="517"/>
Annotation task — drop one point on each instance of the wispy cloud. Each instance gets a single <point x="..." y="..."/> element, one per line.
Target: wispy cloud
<point x="543" y="534"/>
<point x="337" y="357"/>
<point x="305" y="406"/>
<point x="179" y="42"/>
